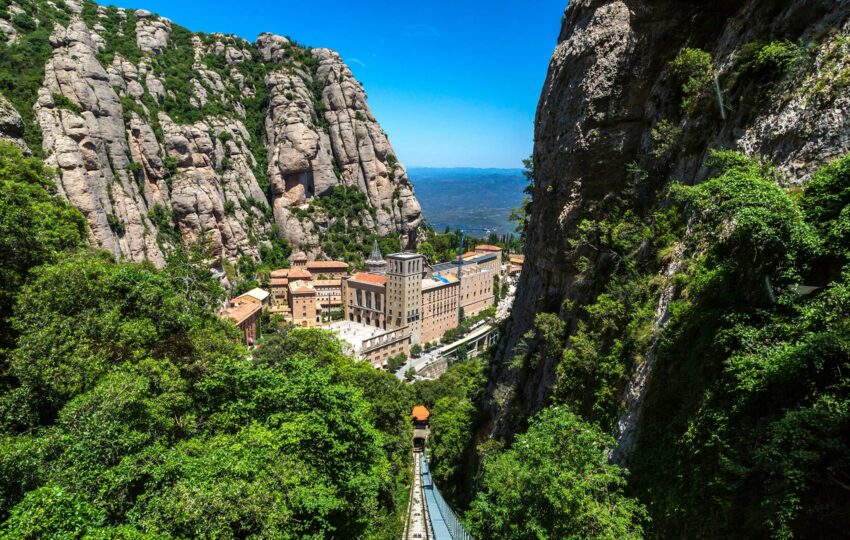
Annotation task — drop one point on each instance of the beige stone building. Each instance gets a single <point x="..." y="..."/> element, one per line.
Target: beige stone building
<point x="305" y="309"/>
<point x="372" y="344"/>
<point x="328" y="269"/>
<point x="493" y="264"/>
<point x="327" y="291"/>
<point x="439" y="307"/>
<point x="476" y="289"/>
<point x="404" y="293"/>
<point x="365" y="299"/>
<point x="245" y="313"/>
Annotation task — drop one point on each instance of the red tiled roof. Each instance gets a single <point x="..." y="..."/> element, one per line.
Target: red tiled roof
<point x="239" y="311"/>
<point x="421" y="413"/>
<point x="468" y="254"/>
<point x="300" y="273"/>
<point x="281" y="273"/>
<point x="363" y="277"/>
<point x="487" y="247"/>
<point x="327" y="264"/>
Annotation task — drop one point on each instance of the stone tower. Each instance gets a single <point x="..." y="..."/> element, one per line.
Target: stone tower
<point x="404" y="293"/>
<point x="376" y="264"/>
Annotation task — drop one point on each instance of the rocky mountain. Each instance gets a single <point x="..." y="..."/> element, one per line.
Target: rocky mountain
<point x="639" y="97"/>
<point x="163" y="136"/>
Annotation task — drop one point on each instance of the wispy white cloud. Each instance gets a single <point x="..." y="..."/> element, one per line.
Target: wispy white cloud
<point x="357" y="61"/>
<point x="419" y="31"/>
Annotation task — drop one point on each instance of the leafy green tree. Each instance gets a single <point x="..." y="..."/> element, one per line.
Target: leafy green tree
<point x="52" y="512"/>
<point x="451" y="426"/>
<point x="35" y="226"/>
<point x="555" y="482"/>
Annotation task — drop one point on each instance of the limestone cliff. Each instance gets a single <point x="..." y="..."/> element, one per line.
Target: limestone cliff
<point x="163" y="136"/>
<point x="610" y="116"/>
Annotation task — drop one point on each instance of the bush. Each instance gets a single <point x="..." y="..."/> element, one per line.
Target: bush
<point x="693" y="72"/>
<point x="229" y="207"/>
<point x="771" y="59"/>
<point x="115" y="224"/>
<point x="63" y="102"/>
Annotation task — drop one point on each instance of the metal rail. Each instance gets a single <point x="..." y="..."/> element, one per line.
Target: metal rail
<point x="417" y="526"/>
<point x="443" y="522"/>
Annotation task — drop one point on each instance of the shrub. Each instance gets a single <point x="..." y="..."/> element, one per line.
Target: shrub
<point x="170" y="165"/>
<point x="229" y="207"/>
<point x="63" y="102"/>
<point x="115" y="224"/>
<point x="773" y="59"/>
<point x="693" y="71"/>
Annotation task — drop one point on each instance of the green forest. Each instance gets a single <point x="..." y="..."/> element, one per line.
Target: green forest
<point x="128" y="410"/>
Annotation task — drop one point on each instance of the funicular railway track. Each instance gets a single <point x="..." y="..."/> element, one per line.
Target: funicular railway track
<point x="417" y="526"/>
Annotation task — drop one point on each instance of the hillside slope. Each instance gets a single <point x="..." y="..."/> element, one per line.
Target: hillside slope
<point x="628" y="307"/>
<point x="164" y="136"/>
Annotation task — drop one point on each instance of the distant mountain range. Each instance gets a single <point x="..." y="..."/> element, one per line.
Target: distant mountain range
<point x="468" y="197"/>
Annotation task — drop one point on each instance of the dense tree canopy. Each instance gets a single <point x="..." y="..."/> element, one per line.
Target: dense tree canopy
<point x="555" y="482"/>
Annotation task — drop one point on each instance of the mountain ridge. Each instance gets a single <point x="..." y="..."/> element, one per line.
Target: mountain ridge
<point x="164" y="137"/>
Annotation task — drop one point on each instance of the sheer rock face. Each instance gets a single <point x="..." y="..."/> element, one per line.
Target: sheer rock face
<point x="151" y="32"/>
<point x="90" y="149"/>
<point x="306" y="160"/>
<point x="11" y="124"/>
<point x="146" y="181"/>
<point x="607" y="87"/>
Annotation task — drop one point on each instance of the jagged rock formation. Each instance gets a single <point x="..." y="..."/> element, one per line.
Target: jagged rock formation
<point x="162" y="136"/>
<point x="607" y="93"/>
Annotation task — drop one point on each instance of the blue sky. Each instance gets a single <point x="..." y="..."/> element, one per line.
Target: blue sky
<point x="453" y="83"/>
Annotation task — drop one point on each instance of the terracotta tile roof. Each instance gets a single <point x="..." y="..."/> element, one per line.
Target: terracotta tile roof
<point x="281" y="273"/>
<point x="328" y="264"/>
<point x="300" y="273"/>
<point x="421" y="413"/>
<point x="300" y="256"/>
<point x="487" y="247"/>
<point x="467" y="254"/>
<point x="279" y="282"/>
<point x="327" y="283"/>
<point x="239" y="311"/>
<point x="364" y="277"/>
<point x="518" y="260"/>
